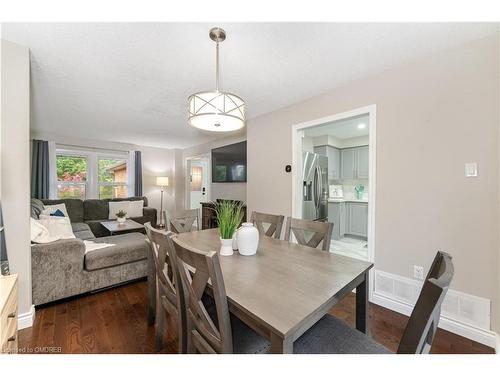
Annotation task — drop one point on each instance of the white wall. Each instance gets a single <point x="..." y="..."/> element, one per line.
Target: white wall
<point x="233" y="190"/>
<point x="158" y="162"/>
<point x="433" y="115"/>
<point x="15" y="164"/>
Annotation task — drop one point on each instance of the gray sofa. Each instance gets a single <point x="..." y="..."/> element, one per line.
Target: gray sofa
<point x="61" y="269"/>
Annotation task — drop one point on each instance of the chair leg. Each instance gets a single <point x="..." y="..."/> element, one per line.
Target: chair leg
<point x="160" y="329"/>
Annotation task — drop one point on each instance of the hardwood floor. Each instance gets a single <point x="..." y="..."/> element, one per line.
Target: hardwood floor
<point x="114" y="321"/>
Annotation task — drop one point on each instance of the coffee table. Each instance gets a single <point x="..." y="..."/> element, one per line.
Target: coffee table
<point x="128" y="226"/>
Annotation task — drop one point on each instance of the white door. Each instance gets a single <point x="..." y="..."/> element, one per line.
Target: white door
<point x="198" y="182"/>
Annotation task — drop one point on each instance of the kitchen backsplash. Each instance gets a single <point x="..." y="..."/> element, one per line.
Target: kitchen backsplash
<point x="348" y="187"/>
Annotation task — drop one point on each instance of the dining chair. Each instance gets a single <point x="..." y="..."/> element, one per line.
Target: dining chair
<point x="171" y="301"/>
<point x="182" y="221"/>
<point x="275" y="223"/>
<point x="332" y="336"/>
<point x="212" y="329"/>
<point x="309" y="233"/>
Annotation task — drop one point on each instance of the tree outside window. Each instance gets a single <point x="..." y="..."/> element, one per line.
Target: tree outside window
<point x="71" y="176"/>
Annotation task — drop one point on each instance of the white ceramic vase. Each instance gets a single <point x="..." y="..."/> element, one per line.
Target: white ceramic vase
<point x="226" y="247"/>
<point x="247" y="239"/>
<point x="121" y="220"/>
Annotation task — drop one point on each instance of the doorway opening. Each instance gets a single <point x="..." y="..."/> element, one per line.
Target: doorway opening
<point x="197" y="180"/>
<point x="334" y="178"/>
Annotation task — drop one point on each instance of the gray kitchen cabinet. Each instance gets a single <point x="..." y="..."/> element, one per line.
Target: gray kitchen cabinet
<point x="348" y="163"/>
<point x="354" y="162"/>
<point x="337" y="215"/>
<point x="362" y="157"/>
<point x="357" y="218"/>
<point x="333" y="155"/>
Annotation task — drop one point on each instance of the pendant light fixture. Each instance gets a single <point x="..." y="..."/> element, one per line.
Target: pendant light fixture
<point x="217" y="111"/>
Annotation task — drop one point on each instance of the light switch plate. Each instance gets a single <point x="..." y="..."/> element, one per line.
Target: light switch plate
<point x="470" y="169"/>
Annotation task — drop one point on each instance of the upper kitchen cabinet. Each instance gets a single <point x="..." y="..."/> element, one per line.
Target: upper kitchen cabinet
<point x="333" y="155"/>
<point x="354" y="162"/>
<point x="362" y="162"/>
<point x="348" y="163"/>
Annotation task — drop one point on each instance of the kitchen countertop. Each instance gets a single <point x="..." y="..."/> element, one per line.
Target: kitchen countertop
<point x="340" y="200"/>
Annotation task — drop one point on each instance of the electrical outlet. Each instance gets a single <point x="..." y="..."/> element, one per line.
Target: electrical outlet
<point x="418" y="272"/>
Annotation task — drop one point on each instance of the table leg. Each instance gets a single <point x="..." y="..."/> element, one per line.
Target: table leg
<point x="151" y="289"/>
<point x="362" y="305"/>
<point x="280" y="345"/>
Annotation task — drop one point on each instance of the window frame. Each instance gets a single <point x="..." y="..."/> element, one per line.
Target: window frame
<point x="114" y="184"/>
<point x="66" y="153"/>
<point x="92" y="183"/>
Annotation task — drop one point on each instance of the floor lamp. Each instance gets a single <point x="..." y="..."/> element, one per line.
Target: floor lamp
<point x="163" y="183"/>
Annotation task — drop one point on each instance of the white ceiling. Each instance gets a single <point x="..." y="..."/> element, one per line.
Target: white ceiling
<point x="342" y="129"/>
<point x="129" y="82"/>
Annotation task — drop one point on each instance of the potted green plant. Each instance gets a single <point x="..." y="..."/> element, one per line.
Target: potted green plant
<point x="229" y="215"/>
<point x="121" y="216"/>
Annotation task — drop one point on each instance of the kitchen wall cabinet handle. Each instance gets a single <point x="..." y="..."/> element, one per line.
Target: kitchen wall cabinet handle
<point x="12" y="338"/>
<point x="11" y="315"/>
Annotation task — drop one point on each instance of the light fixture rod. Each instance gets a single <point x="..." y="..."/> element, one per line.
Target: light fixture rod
<point x="216" y="66"/>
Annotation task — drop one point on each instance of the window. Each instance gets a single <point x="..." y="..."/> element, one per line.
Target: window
<point x="71" y="176"/>
<point x="85" y="174"/>
<point x="113" y="178"/>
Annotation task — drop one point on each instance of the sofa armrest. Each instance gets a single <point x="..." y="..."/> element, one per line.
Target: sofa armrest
<point x="57" y="270"/>
<point x="69" y="251"/>
<point x="150" y="215"/>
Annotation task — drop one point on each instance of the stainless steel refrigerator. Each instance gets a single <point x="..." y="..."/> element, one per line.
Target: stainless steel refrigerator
<point x="314" y="187"/>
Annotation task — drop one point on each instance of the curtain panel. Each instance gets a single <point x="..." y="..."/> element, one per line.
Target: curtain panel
<point x="40" y="180"/>
<point x="138" y="174"/>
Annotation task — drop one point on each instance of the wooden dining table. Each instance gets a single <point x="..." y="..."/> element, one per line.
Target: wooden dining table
<point x="284" y="289"/>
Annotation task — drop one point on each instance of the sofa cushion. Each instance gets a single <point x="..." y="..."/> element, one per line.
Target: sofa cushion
<point x="73" y="206"/>
<point x="95" y="209"/>
<point x="82" y="231"/>
<point x="130" y="247"/>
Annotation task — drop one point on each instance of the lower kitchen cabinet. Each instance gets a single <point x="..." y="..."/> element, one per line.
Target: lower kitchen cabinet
<point x="336" y="215"/>
<point x="357" y="218"/>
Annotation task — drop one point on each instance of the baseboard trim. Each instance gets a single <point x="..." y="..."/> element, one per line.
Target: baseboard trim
<point x="485" y="337"/>
<point x="26" y="319"/>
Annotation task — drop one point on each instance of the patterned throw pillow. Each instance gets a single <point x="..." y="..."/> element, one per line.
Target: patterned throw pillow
<point x="57" y="213"/>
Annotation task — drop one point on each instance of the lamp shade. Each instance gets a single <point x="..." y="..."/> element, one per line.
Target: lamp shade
<point x="162" y="181"/>
<point x="216" y="111"/>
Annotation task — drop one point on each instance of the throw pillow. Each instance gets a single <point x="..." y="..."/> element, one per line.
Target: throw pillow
<point x="114" y="207"/>
<point x="58" y="226"/>
<point x="50" y="209"/>
<point x="135" y="208"/>
<point x="39" y="233"/>
<point x="36" y="208"/>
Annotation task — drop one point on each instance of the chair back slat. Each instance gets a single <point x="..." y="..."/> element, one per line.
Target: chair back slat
<point x="198" y="270"/>
<point x="423" y="323"/>
<point x="275" y="223"/>
<point x="182" y="221"/>
<point x="320" y="232"/>
<point x="170" y="294"/>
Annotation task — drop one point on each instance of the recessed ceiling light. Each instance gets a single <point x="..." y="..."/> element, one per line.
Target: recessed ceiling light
<point x="362" y="125"/>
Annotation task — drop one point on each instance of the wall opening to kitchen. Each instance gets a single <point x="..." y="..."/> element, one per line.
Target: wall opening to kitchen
<point x="334" y="178"/>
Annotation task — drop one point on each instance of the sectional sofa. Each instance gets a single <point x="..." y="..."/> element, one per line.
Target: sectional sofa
<point x="62" y="269"/>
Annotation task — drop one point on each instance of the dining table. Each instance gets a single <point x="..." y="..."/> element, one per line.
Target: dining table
<point x="282" y="290"/>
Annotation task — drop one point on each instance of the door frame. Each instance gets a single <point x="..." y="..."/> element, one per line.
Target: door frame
<point x="297" y="133"/>
<point x="187" y="192"/>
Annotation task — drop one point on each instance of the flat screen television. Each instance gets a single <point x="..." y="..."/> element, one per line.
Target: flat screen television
<point x="229" y="163"/>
